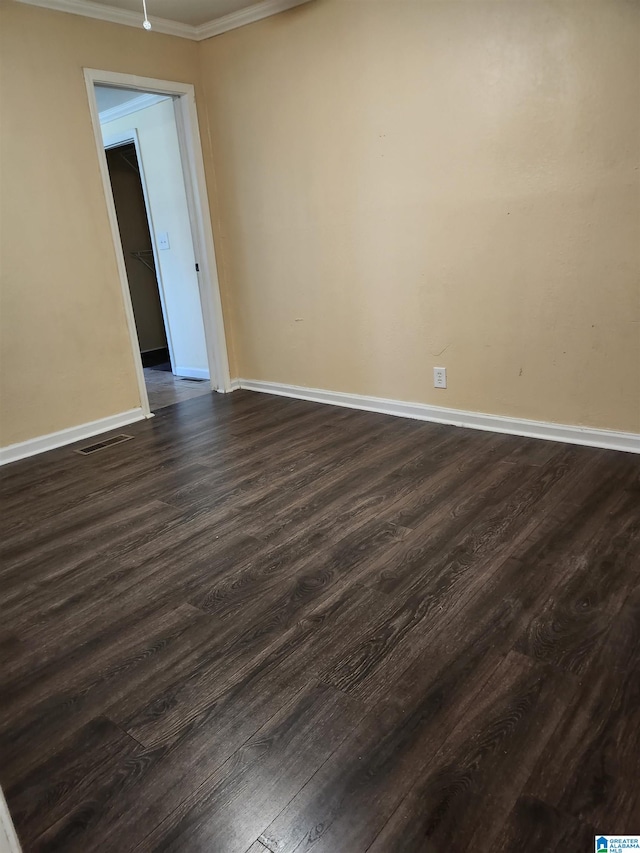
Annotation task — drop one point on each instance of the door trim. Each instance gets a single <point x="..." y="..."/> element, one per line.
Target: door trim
<point x="199" y="215"/>
<point x="8" y="837"/>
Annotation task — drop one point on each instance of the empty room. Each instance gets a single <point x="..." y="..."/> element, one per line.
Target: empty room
<point x="319" y="426"/>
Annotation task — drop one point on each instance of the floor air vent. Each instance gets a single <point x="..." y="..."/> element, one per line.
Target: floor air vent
<point x="102" y="445"/>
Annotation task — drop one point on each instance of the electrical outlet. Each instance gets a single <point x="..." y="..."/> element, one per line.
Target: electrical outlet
<point x="163" y="240"/>
<point x="439" y="377"/>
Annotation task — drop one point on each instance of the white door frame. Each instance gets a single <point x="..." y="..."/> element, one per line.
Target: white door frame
<point x="8" y="838"/>
<point x="115" y="140"/>
<point x="197" y="200"/>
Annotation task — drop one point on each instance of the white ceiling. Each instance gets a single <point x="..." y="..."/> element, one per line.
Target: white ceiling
<point x="193" y="19"/>
<point x="108" y="97"/>
<point x="115" y="103"/>
<point x="193" y="12"/>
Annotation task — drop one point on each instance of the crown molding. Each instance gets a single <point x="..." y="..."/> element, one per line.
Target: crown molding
<point x="102" y="12"/>
<point x="89" y="9"/>
<point x="133" y="106"/>
<point x="245" y="16"/>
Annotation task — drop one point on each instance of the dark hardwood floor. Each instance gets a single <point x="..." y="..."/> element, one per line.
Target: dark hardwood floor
<point x="267" y="626"/>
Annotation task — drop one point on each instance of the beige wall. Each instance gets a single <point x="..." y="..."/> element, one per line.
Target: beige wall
<point x="409" y="184"/>
<point x="397" y="185"/>
<point x="65" y="352"/>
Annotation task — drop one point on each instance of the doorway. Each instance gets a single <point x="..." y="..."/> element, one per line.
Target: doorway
<point x="152" y="171"/>
<point x="164" y="387"/>
<point x="128" y="197"/>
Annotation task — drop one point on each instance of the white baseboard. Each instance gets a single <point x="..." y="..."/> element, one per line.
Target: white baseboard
<point x="191" y="372"/>
<point x="8" y="839"/>
<point x="68" y="436"/>
<point x="589" y="436"/>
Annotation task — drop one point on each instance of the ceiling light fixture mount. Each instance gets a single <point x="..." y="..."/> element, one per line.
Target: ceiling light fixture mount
<point x="146" y="23"/>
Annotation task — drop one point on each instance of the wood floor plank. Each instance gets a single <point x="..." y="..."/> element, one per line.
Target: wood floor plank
<point x="591" y="764"/>
<point x="86" y="531"/>
<point x="257" y="847"/>
<point x="253" y="786"/>
<point x="244" y="667"/>
<point x="38" y="708"/>
<point x="265" y="624"/>
<point x="457" y="589"/>
<point x="154" y="783"/>
<point x="179" y="442"/>
<point x="95" y="753"/>
<point x="472" y="784"/>
<point x="575" y="620"/>
<point x="346" y="803"/>
<point x="165" y="389"/>
<point x="534" y="826"/>
<point x="479" y="528"/>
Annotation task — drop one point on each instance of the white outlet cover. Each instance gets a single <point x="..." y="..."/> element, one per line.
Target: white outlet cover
<point x="439" y="377"/>
<point x="163" y="240"/>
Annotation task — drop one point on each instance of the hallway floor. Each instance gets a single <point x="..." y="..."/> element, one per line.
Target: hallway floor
<point x="165" y="389"/>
